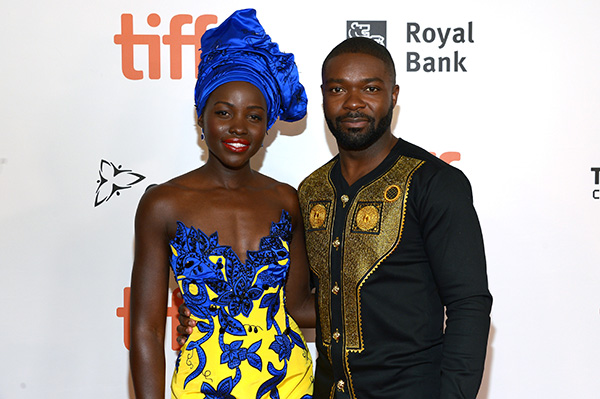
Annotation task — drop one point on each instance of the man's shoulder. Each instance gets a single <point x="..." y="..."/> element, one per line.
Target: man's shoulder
<point x="411" y="150"/>
<point x="432" y="174"/>
<point x="319" y="176"/>
<point x="432" y="165"/>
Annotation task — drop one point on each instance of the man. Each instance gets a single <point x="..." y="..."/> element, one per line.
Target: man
<point x="392" y="239"/>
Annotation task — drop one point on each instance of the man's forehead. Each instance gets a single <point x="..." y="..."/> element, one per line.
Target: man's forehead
<point x="355" y="66"/>
<point x="357" y="58"/>
<point x="344" y="79"/>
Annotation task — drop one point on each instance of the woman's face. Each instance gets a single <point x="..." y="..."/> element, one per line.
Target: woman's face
<point x="234" y="122"/>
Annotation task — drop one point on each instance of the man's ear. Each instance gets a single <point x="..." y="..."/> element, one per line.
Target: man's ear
<point x="395" y="92"/>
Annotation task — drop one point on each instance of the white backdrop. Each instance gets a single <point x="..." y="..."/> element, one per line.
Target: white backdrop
<point x="523" y="117"/>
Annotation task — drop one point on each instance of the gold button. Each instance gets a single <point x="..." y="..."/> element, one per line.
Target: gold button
<point x="344" y="199"/>
<point x="340" y="385"/>
<point x="336" y="243"/>
<point x="336" y="335"/>
<point x="335" y="288"/>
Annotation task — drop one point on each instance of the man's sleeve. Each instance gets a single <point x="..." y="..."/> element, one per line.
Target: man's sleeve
<point x="454" y="245"/>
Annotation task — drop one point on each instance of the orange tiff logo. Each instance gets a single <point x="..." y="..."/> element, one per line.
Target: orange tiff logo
<point x="172" y="312"/>
<point x="448" y="157"/>
<point x="175" y="39"/>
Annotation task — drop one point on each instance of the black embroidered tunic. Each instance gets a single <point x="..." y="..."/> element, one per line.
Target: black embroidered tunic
<point x="387" y="255"/>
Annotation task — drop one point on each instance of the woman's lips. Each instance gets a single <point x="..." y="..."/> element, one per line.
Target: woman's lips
<point x="237" y="145"/>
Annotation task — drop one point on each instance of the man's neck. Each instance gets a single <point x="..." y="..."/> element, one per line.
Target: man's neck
<point x="356" y="164"/>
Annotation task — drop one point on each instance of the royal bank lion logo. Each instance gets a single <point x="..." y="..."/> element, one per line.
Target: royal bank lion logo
<point x="375" y="30"/>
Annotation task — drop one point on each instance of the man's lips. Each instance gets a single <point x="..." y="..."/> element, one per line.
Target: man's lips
<point x="237" y="145"/>
<point x="354" y="122"/>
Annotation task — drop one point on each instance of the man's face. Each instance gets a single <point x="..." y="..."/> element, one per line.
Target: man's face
<point x="359" y="96"/>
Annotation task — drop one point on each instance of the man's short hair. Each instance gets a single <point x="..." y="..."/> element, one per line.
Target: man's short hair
<point x="363" y="45"/>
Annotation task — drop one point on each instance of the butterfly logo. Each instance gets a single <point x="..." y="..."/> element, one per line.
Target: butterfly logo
<point x="114" y="179"/>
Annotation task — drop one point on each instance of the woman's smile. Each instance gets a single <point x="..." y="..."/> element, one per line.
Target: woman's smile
<point x="236" y="144"/>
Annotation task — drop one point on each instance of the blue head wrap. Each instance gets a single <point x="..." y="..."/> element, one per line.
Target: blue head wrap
<point x="240" y="50"/>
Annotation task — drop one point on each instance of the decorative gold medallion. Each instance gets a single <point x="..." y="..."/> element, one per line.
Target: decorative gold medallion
<point x="392" y="193"/>
<point x="367" y="218"/>
<point x="317" y="216"/>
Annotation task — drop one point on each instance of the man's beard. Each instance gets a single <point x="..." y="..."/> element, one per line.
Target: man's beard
<point x="353" y="139"/>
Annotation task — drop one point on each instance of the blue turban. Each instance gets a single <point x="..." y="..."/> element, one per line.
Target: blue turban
<point x="240" y="50"/>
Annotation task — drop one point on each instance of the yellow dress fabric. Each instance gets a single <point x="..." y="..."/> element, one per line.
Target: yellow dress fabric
<point x="245" y="344"/>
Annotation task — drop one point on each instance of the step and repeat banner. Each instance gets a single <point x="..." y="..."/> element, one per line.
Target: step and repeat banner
<point x="97" y="104"/>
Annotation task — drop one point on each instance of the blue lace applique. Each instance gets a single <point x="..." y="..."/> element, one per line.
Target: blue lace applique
<point x="224" y="388"/>
<point x="198" y="262"/>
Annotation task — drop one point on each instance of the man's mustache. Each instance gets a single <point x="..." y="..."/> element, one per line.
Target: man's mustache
<point x="354" y="115"/>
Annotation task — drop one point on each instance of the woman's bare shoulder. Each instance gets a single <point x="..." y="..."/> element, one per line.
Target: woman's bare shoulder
<point x="166" y="197"/>
<point x="278" y="189"/>
<point x="284" y="197"/>
<point x="273" y="184"/>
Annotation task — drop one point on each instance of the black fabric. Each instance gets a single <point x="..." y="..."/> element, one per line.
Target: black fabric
<point x="438" y="262"/>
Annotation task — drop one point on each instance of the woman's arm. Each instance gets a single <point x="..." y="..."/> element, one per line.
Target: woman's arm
<point x="300" y="300"/>
<point x="149" y="287"/>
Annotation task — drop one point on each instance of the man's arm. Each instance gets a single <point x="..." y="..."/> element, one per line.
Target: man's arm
<point x="186" y="323"/>
<point x="454" y="245"/>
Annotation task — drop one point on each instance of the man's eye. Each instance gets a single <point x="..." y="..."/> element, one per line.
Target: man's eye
<point x="336" y="89"/>
<point x="372" y="89"/>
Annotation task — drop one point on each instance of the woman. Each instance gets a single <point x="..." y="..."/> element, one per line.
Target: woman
<point x="244" y="344"/>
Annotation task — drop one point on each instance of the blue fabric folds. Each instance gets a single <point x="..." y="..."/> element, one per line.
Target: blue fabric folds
<point x="240" y="50"/>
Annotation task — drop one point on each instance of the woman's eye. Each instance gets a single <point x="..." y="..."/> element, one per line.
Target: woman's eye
<point x="256" y="118"/>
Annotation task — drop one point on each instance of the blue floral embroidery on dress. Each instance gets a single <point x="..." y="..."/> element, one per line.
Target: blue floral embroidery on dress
<point x="282" y="346"/>
<point x="233" y="354"/>
<point x="238" y="287"/>
<point x="270" y="386"/>
<point x="224" y="388"/>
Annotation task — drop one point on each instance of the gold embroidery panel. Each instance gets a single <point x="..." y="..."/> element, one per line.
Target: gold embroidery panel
<point x="317" y="196"/>
<point x="364" y="252"/>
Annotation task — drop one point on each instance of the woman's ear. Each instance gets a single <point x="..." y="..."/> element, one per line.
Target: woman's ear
<point x="201" y="122"/>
